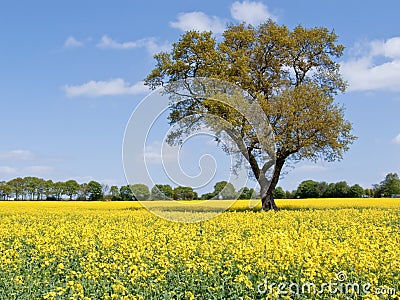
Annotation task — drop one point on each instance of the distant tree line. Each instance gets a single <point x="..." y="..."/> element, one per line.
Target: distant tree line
<point x="389" y="187"/>
<point x="33" y="188"/>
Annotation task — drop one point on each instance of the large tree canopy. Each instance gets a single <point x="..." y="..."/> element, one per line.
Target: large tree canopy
<point x="291" y="74"/>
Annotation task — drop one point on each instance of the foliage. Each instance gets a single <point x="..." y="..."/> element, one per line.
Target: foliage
<point x="162" y="192"/>
<point x="389" y="186"/>
<point x="140" y="191"/>
<point x="184" y="193"/>
<point x="245" y="193"/>
<point x="279" y="193"/>
<point x="293" y="76"/>
<point x="313" y="189"/>
<point x="342" y="189"/>
<point x="125" y="193"/>
<point x="224" y="190"/>
<point x="95" y="190"/>
<point x="356" y="191"/>
<point x="71" y="188"/>
<point x="308" y="189"/>
<point x="114" y="192"/>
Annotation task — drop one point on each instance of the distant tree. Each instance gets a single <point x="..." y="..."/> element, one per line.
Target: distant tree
<point x="322" y="188"/>
<point x="290" y="194"/>
<point x="41" y="188"/>
<point x="71" y="188"/>
<point x="5" y="190"/>
<point x="184" y="193"/>
<point x="308" y="189"/>
<point x="114" y="193"/>
<point x="279" y="193"/>
<point x="83" y="193"/>
<point x="140" y="191"/>
<point x="330" y="191"/>
<point x="369" y="192"/>
<point x="389" y="186"/>
<point x="17" y="187"/>
<point x="224" y="190"/>
<point x="125" y="193"/>
<point x="245" y="193"/>
<point x="95" y="191"/>
<point x="162" y="192"/>
<point x="342" y="189"/>
<point x="207" y="196"/>
<point x="30" y="187"/>
<point x="356" y="191"/>
<point x="59" y="190"/>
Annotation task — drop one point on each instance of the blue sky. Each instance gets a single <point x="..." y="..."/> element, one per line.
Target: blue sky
<point x="71" y="75"/>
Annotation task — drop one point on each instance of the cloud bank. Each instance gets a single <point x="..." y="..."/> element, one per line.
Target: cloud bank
<point x="250" y="12"/>
<point x="113" y="87"/>
<point x="150" y="44"/>
<point x="199" y="21"/>
<point x="376" y="66"/>
<point x="72" y="42"/>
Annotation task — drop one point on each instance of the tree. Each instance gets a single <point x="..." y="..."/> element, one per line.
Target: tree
<point x="71" y="188"/>
<point x="114" y="193"/>
<point x="95" y="191"/>
<point x="245" y="193"/>
<point x="342" y="189"/>
<point x="5" y="190"/>
<point x="125" y="193"/>
<point x="224" y="190"/>
<point x="291" y="74"/>
<point x="59" y="190"/>
<point x="184" y="193"/>
<point x="330" y="191"/>
<point x="356" y="191"/>
<point x="369" y="192"/>
<point x="83" y="193"/>
<point x="322" y="188"/>
<point x="308" y="189"/>
<point x="41" y="188"/>
<point x="290" y="194"/>
<point x="140" y="191"/>
<point x="389" y="186"/>
<point x="279" y="193"/>
<point x="31" y="186"/>
<point x="162" y="192"/>
<point x="17" y="187"/>
<point x="207" y="196"/>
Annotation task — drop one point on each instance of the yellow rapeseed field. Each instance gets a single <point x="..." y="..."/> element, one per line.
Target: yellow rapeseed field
<point x="311" y="249"/>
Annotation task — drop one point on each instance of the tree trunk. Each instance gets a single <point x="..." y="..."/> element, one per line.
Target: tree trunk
<point x="267" y="192"/>
<point x="268" y="202"/>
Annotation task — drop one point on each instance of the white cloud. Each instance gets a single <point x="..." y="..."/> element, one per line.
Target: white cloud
<point x="17" y="155"/>
<point x="396" y="140"/>
<point x="150" y="44"/>
<point x="389" y="48"/>
<point x="7" y="170"/>
<point x="199" y="21"/>
<point x="159" y="152"/>
<point x="72" y="42"/>
<point x="378" y="68"/>
<point x="251" y="12"/>
<point x="112" y="87"/>
<point x="37" y="170"/>
<point x="310" y="168"/>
